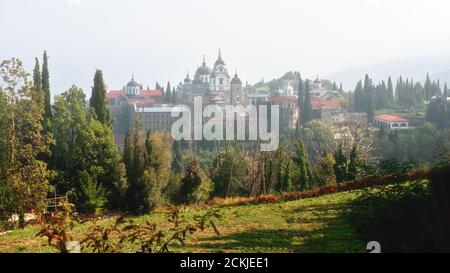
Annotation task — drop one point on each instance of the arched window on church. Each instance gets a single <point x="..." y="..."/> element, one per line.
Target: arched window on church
<point x="221" y="81"/>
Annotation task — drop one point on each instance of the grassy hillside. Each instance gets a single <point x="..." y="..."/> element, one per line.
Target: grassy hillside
<point x="308" y="225"/>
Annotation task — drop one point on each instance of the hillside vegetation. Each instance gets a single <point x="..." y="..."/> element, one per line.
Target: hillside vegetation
<point x="405" y="213"/>
<point x="309" y="225"/>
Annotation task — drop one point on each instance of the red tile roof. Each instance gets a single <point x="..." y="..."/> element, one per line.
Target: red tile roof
<point x="151" y="93"/>
<point x="390" y="118"/>
<point x="114" y="94"/>
<point x="282" y="99"/>
<point x="317" y="103"/>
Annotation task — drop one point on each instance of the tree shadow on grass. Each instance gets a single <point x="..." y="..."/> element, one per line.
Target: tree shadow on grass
<point x="314" y="229"/>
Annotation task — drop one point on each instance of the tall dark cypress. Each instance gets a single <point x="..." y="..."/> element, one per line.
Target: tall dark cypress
<point x="168" y="93"/>
<point x="37" y="83"/>
<point x="353" y="166"/>
<point x="368" y="97"/>
<point x="37" y="75"/>
<point x="334" y="87"/>
<point x="46" y="87"/>
<point x="390" y="90"/>
<point x="307" y="107"/>
<point x="303" y="166"/>
<point x="359" y="98"/>
<point x="98" y="99"/>
<point x="301" y="96"/>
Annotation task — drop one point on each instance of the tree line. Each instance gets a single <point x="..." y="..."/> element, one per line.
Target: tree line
<point x="68" y="148"/>
<point x="368" y="97"/>
<point x="169" y="95"/>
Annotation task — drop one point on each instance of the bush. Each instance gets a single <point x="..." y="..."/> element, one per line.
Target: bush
<point x="399" y="216"/>
<point x="195" y="187"/>
<point x="172" y="190"/>
<point x="93" y="197"/>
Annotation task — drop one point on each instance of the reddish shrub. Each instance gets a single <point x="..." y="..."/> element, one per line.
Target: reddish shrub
<point x="328" y="189"/>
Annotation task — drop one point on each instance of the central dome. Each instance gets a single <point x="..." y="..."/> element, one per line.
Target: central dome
<point x="132" y="83"/>
<point x="203" y="70"/>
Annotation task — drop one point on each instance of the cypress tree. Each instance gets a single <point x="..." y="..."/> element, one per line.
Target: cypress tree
<point x="307" y="107"/>
<point x="287" y="183"/>
<point x="134" y="161"/>
<point x="438" y="88"/>
<point x="370" y="112"/>
<point x="390" y="91"/>
<point x="37" y="83"/>
<point x="359" y="98"/>
<point x="45" y="84"/>
<point x="98" y="99"/>
<point x="445" y="90"/>
<point x="168" y="93"/>
<point x="302" y="162"/>
<point x="301" y="93"/>
<point x="279" y="180"/>
<point x="37" y="75"/>
<point x="334" y="87"/>
<point x="353" y="165"/>
<point x="368" y="97"/>
<point x="340" y="165"/>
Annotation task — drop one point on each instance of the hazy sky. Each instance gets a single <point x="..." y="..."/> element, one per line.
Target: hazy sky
<point x="159" y="40"/>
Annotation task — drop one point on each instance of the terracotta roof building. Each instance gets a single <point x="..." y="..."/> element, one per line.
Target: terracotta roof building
<point x="327" y="110"/>
<point x="391" y="121"/>
<point x="318" y="103"/>
<point x="131" y="101"/>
